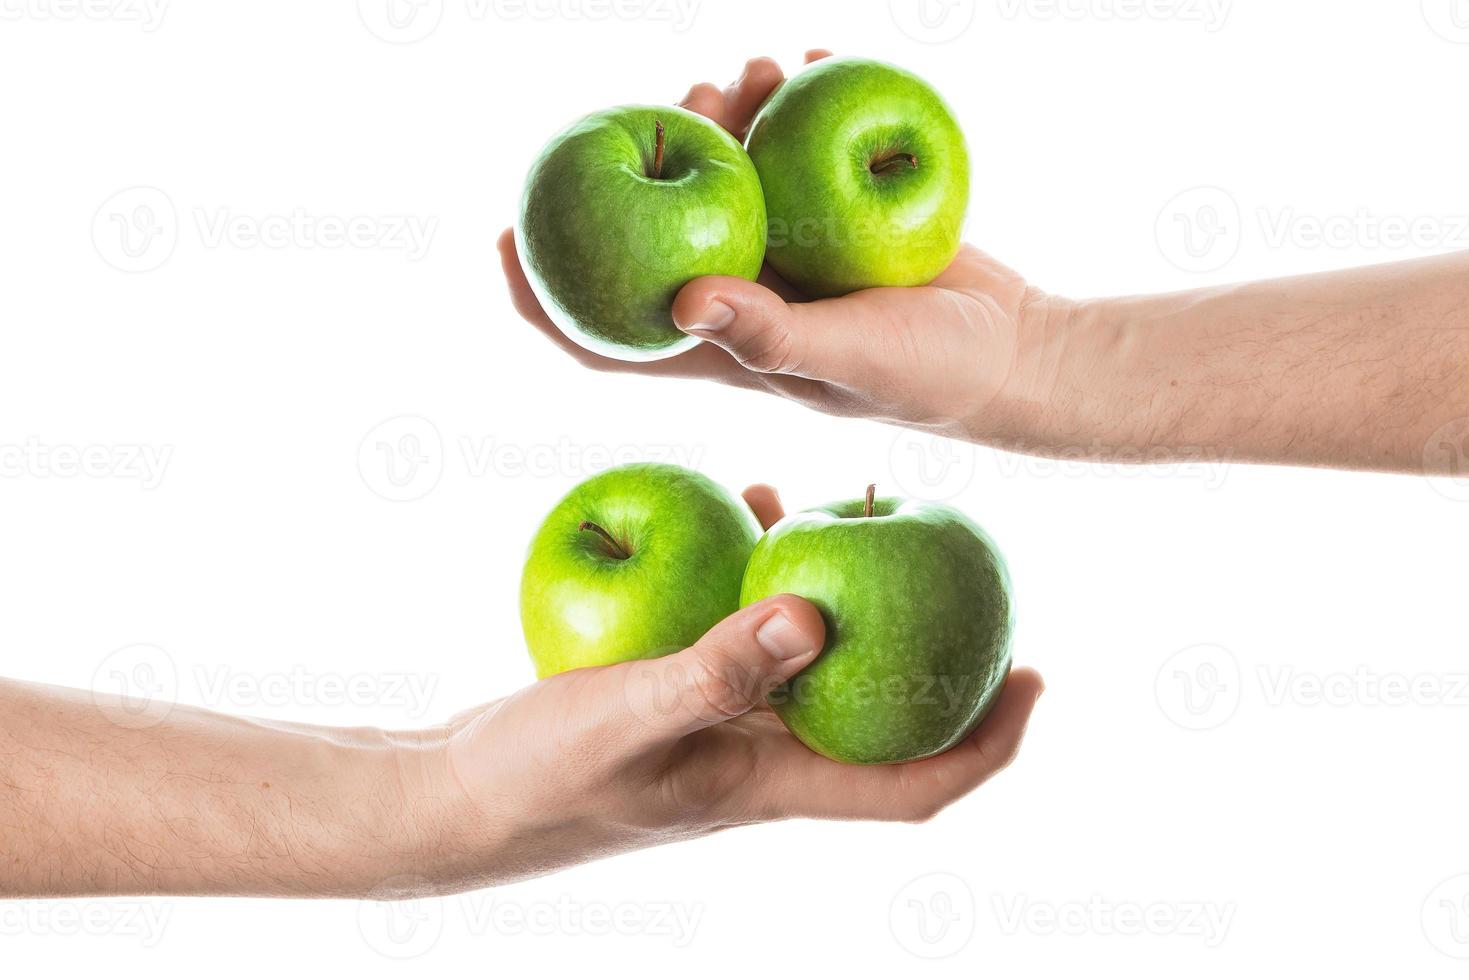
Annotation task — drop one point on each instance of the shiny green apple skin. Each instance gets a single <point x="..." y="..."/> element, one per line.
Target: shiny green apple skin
<point x="919" y="617"/>
<point x="688" y="541"/>
<point x="835" y="225"/>
<point x="607" y="246"/>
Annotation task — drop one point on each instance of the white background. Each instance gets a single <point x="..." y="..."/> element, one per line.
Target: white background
<point x="1317" y="828"/>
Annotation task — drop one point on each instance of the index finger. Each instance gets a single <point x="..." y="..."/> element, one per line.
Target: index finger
<point x="765" y="502"/>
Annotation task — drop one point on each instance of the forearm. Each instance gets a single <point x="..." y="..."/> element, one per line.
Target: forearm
<point x="202" y="803"/>
<point x="1356" y="369"/>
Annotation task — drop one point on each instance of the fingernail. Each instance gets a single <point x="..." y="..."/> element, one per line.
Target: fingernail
<point x="716" y="317"/>
<point x="780" y="638"/>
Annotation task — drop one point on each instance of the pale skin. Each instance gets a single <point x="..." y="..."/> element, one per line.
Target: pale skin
<point x="1363" y="369"/>
<point x="584" y="765"/>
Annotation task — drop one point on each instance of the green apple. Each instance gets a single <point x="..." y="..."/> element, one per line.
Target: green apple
<point x="918" y="614"/>
<point x="866" y="178"/>
<point x="634" y="563"/>
<point x="621" y="210"/>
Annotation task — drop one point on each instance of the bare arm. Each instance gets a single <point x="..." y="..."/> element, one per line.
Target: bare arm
<point x="197" y="803"/>
<point x="1353" y="369"/>
<point x="586" y="764"/>
<point x="1367" y="368"/>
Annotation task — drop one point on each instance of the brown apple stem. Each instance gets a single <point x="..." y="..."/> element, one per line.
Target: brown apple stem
<point x="895" y="162"/>
<point x="618" y="551"/>
<point x="867" y="507"/>
<point x="657" y="149"/>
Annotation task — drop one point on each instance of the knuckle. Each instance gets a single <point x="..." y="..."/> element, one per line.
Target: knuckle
<point x="769" y="350"/>
<point x="714" y="681"/>
<point x="998" y="755"/>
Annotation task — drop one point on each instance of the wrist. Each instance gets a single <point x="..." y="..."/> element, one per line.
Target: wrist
<point x="1035" y="404"/>
<point x="1085" y="381"/>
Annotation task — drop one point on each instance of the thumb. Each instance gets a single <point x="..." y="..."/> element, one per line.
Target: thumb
<point x="765" y="333"/>
<point x="728" y="672"/>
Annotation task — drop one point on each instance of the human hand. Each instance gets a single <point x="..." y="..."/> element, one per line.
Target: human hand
<point x="952" y="357"/>
<point x="603" y="760"/>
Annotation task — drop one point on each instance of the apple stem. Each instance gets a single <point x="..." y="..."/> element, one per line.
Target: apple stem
<point x="867" y="506"/>
<point x="894" y="162"/>
<point x="618" y="551"/>
<point x="657" y="149"/>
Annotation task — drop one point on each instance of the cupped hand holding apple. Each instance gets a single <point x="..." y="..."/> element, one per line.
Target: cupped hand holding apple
<point x="609" y="759"/>
<point x="964" y="355"/>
